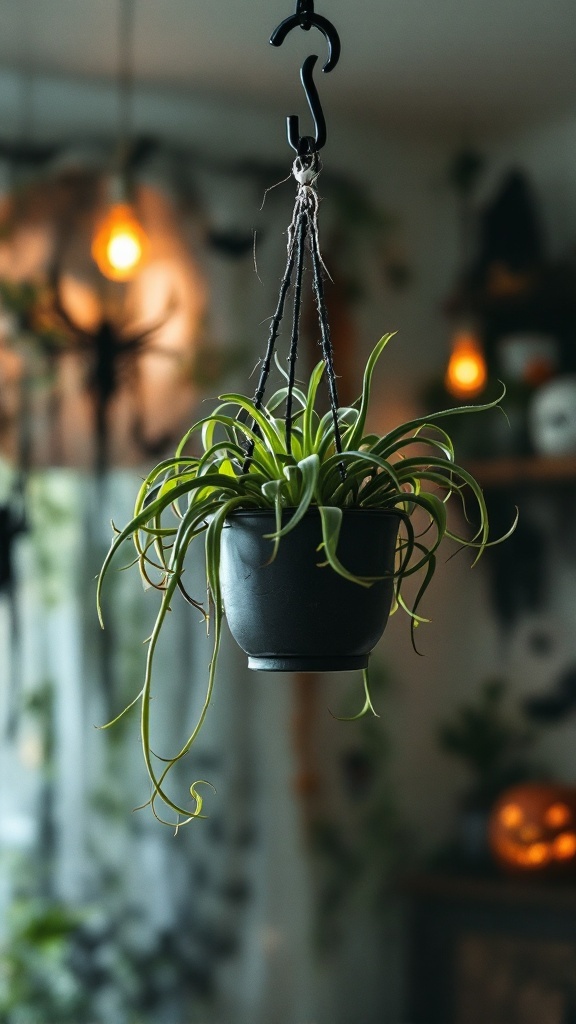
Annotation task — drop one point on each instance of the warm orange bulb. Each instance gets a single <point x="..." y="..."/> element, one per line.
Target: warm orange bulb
<point x="466" y="374"/>
<point x="119" y="245"/>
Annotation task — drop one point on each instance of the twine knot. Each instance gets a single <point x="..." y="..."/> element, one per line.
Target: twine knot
<point x="306" y="168"/>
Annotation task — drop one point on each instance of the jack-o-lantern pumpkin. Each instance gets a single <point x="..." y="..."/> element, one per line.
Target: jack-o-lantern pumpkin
<point x="533" y="829"/>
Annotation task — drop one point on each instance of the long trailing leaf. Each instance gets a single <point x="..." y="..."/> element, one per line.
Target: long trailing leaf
<point x="265" y="422"/>
<point x="279" y="397"/>
<point x="415" y="619"/>
<point x="218" y="418"/>
<point x="431" y="418"/>
<point x="212" y="562"/>
<point x="324" y="443"/>
<point x="225" y="485"/>
<point x="353" y="437"/>
<point x="366" y="708"/>
<point x="357" y="461"/>
<point x="422" y="440"/>
<point x="310" y="416"/>
<point x="331" y="518"/>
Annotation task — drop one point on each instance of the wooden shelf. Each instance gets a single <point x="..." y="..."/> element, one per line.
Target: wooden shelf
<point x="511" y="472"/>
<point x="552" y="893"/>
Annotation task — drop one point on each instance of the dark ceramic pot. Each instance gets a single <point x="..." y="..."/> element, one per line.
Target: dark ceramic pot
<point x="289" y="615"/>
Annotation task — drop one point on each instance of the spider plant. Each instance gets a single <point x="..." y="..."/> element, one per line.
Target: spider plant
<point x="187" y="498"/>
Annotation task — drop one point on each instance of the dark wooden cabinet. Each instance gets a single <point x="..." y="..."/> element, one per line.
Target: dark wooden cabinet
<point x="491" y="951"/>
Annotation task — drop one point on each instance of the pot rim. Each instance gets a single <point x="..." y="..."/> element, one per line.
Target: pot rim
<point x="241" y="513"/>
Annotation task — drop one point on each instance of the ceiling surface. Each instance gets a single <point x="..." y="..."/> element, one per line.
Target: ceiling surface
<point x="435" y="64"/>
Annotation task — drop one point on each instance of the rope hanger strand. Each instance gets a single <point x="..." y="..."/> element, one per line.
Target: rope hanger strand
<point x="302" y="233"/>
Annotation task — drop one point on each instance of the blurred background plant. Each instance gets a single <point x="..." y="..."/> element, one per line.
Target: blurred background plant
<point x="495" y="747"/>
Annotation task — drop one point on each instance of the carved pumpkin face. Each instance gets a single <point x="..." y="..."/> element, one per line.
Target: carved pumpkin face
<point x="533" y="829"/>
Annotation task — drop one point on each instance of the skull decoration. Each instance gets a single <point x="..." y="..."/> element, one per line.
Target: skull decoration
<point x="529" y="358"/>
<point x="552" y="417"/>
<point x="533" y="829"/>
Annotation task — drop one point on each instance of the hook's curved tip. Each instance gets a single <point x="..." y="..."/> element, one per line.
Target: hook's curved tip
<point x="330" y="64"/>
<point x="308" y="65"/>
<point x="332" y="38"/>
<point x="281" y="31"/>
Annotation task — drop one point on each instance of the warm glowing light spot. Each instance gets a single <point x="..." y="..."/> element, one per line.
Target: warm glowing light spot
<point x="466" y="374"/>
<point x="119" y="244"/>
<point x="564" y="846"/>
<point x="511" y="815"/>
<point x="538" y="853"/>
<point x="124" y="250"/>
<point x="557" y="816"/>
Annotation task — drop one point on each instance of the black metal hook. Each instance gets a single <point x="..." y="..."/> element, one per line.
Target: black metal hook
<point x="306" y="144"/>
<point x="306" y="18"/>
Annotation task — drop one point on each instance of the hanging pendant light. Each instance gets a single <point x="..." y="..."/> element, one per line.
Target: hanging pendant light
<point x="120" y="244"/>
<point x="466" y="374"/>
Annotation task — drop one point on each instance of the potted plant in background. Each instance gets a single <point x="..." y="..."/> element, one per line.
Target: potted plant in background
<point x="496" y="751"/>
<point x="306" y="547"/>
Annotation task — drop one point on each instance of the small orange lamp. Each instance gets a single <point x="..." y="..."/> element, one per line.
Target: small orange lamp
<point x="466" y="374"/>
<point x="120" y="243"/>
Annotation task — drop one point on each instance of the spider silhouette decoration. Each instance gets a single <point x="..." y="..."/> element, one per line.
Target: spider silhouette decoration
<point x="114" y="350"/>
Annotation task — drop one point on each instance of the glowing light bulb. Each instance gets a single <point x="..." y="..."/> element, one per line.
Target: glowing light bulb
<point x="466" y="374"/>
<point x="119" y="245"/>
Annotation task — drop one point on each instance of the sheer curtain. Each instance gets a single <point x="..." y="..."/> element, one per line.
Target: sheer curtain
<point x="232" y="891"/>
<point x="236" y="882"/>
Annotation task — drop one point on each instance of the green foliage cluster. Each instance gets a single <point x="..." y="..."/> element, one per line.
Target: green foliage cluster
<point x="492" y="745"/>
<point x="410" y="470"/>
<point x="37" y="982"/>
<point x="69" y="965"/>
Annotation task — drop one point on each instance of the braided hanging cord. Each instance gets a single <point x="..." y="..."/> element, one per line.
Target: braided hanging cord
<point x="303" y="227"/>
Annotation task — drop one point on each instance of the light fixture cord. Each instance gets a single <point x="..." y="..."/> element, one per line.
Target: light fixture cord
<point x="125" y="73"/>
<point x="26" y="112"/>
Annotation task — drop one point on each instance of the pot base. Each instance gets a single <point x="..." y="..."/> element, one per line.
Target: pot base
<point x="319" y="663"/>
